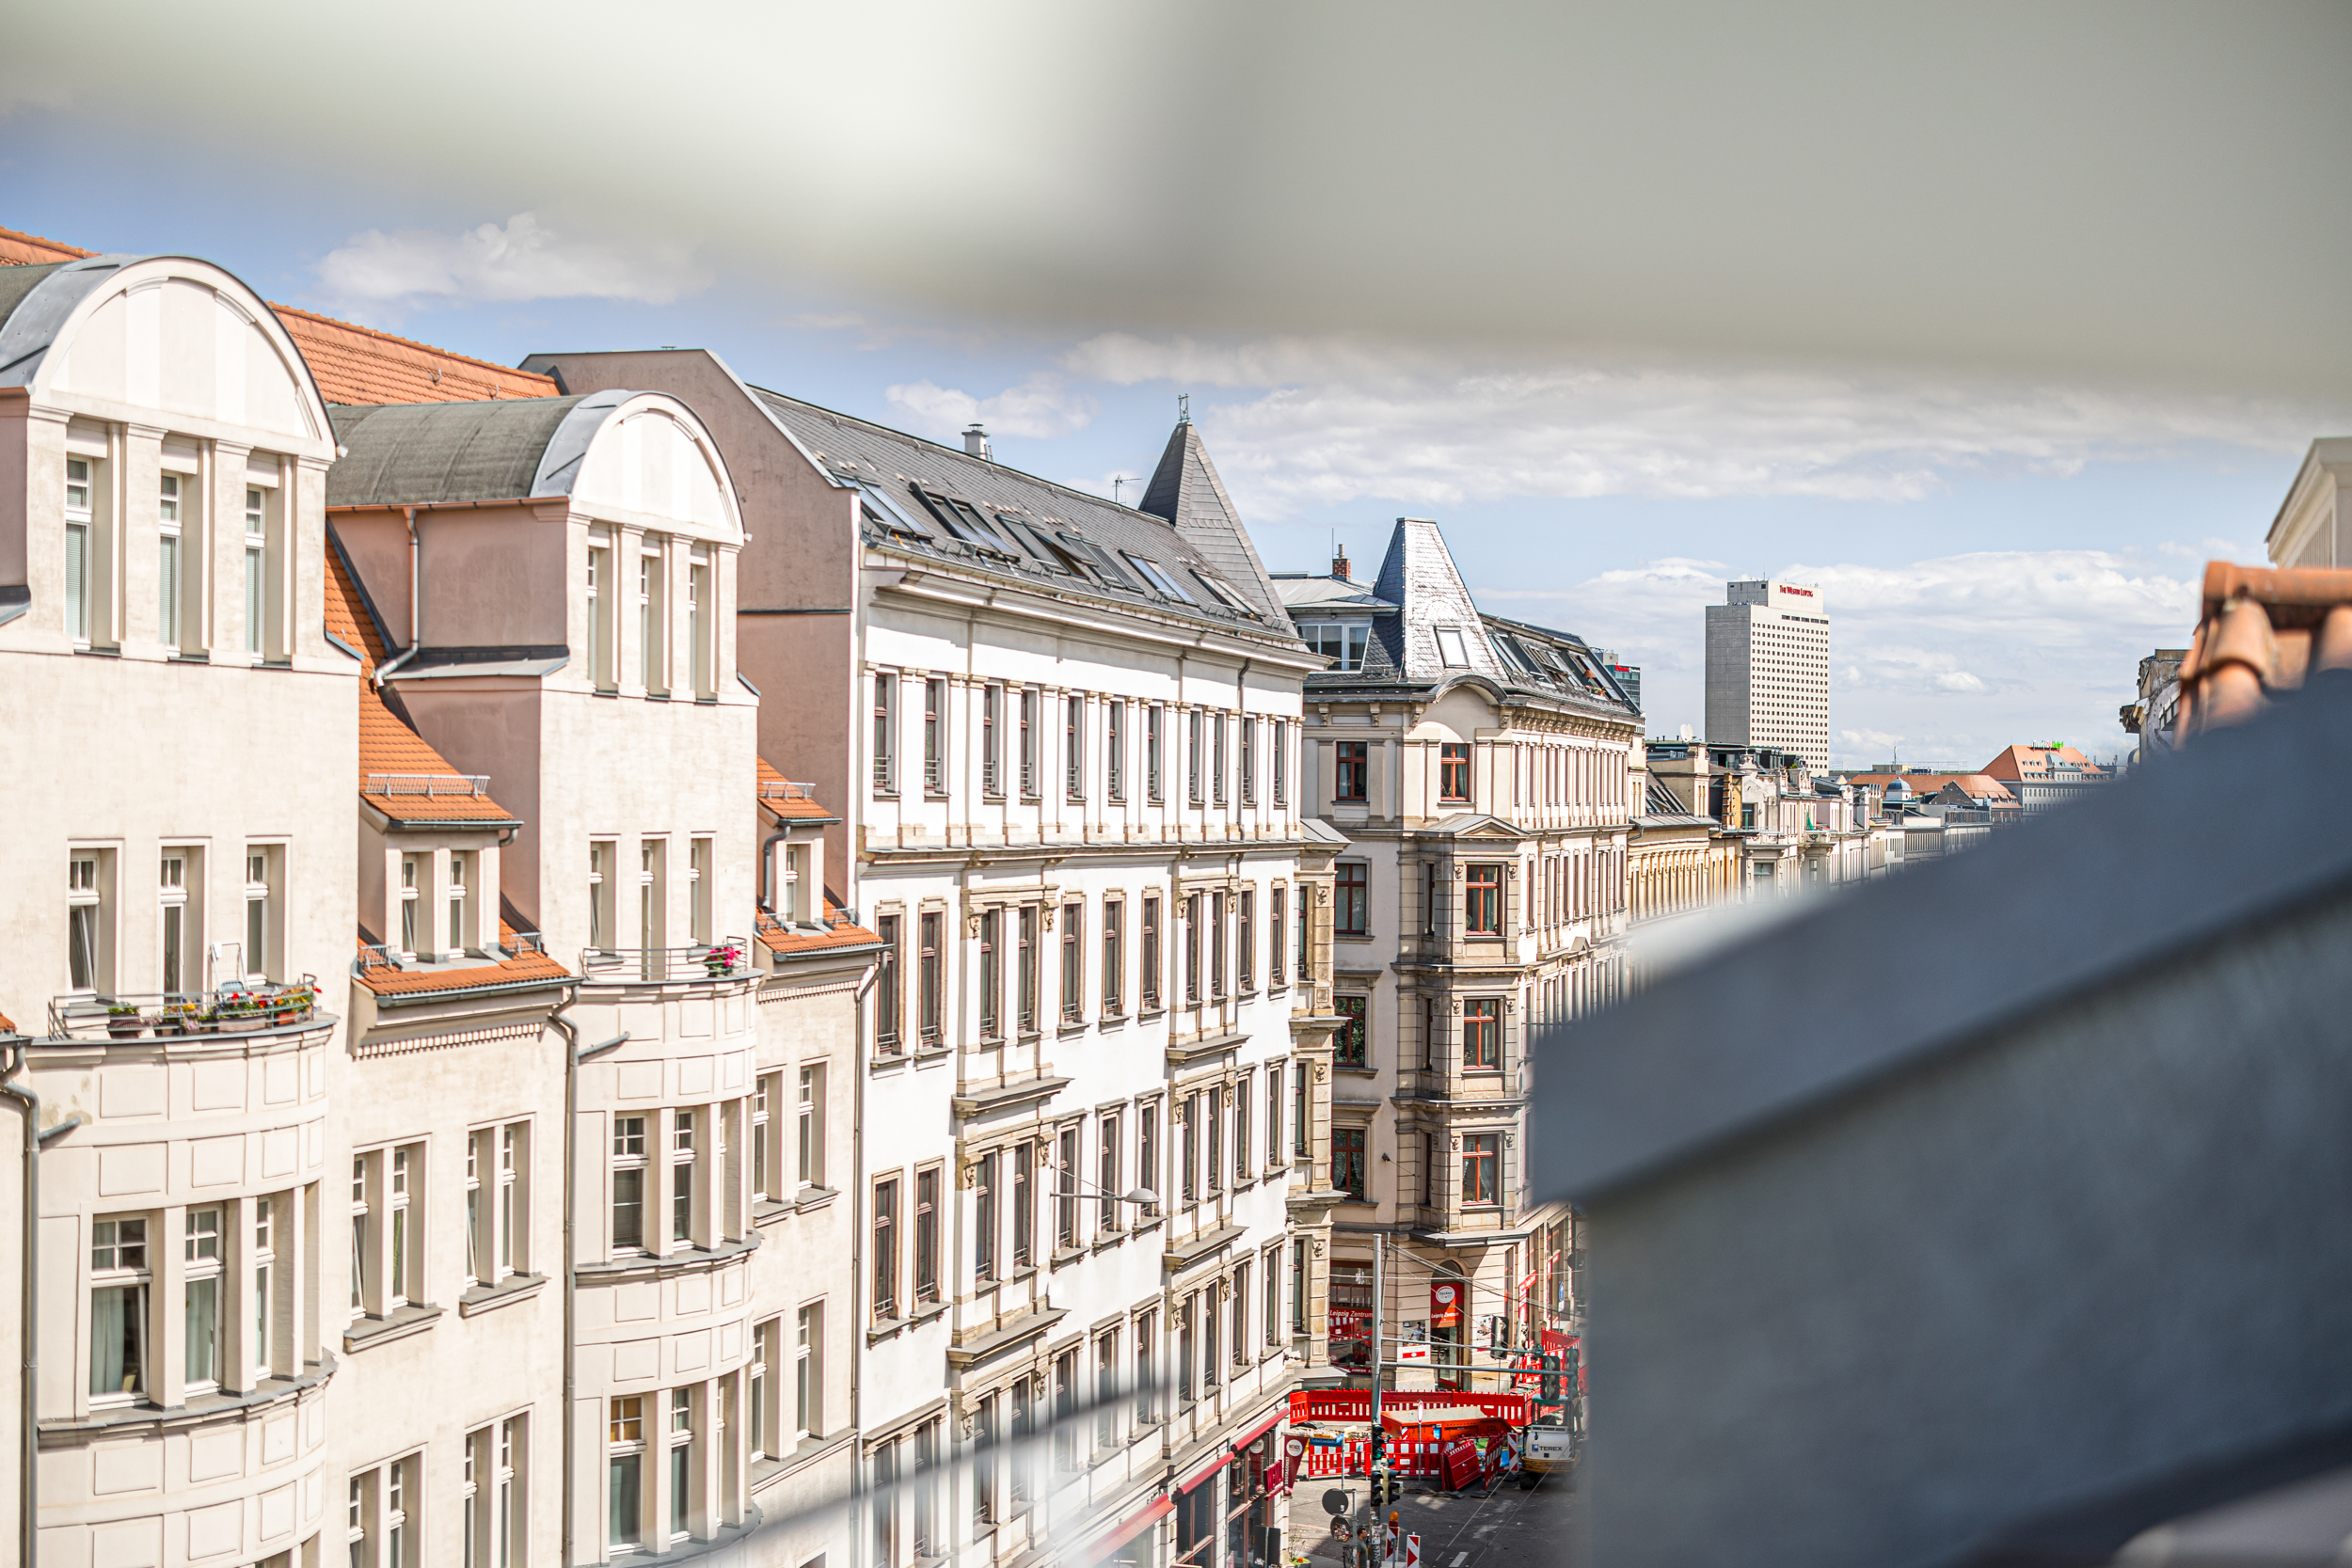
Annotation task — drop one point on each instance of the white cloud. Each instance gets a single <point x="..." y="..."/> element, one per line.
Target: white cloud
<point x="524" y="260"/>
<point x="1045" y="405"/>
<point x="1348" y="417"/>
<point x="1949" y="658"/>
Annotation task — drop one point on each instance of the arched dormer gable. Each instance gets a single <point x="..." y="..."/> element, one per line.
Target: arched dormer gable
<point x="640" y="459"/>
<point x="167" y="340"/>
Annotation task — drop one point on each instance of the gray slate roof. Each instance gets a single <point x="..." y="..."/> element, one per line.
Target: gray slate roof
<point x="1186" y="491"/>
<point x="35" y="302"/>
<point x="506" y="450"/>
<point x="1069" y="525"/>
<point x="1661" y="807"/>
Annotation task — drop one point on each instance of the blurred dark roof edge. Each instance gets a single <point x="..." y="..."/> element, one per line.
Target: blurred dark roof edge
<point x="2223" y="835"/>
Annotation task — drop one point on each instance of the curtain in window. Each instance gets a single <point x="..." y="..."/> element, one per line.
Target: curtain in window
<point x="203" y="1330"/>
<point x="118" y="1343"/>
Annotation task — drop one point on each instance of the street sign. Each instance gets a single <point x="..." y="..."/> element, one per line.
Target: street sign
<point x="1335" y="1502"/>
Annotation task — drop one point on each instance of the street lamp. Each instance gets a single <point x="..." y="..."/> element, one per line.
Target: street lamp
<point x="1143" y="1198"/>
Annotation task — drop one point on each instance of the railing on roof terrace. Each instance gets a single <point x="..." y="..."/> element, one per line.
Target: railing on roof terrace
<point x="429" y="784"/>
<point x="230" y="1010"/>
<point x="786" y="789"/>
<point x="727" y="958"/>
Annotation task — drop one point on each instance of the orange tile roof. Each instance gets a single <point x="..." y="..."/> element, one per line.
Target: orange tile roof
<point x="31" y="251"/>
<point x="400" y="773"/>
<point x="521" y="968"/>
<point x="788" y="801"/>
<point x="1981" y="785"/>
<point x="358" y="364"/>
<point x="784" y="942"/>
<point x="2019" y="763"/>
<point x="2262" y="632"/>
<point x="6" y="1027"/>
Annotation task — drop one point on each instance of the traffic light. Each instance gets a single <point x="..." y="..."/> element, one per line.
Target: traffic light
<point x="1386" y="1487"/>
<point x="1548" y="1385"/>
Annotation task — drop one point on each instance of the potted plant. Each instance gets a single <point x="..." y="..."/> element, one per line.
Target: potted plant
<point x="719" y="961"/>
<point x="123" y="1021"/>
<point x="291" y="1004"/>
<point x="179" y="1019"/>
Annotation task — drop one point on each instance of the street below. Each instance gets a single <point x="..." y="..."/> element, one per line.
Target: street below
<point x="1505" y="1527"/>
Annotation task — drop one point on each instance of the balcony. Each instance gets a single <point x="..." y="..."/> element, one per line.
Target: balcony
<point x="430" y="785"/>
<point x="729" y="958"/>
<point x="245" y="1009"/>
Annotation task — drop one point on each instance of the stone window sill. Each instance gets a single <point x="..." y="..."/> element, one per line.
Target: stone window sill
<point x="399" y="1324"/>
<point x="489" y="1298"/>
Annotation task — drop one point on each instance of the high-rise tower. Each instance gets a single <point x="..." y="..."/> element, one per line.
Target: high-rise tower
<point x="1768" y="668"/>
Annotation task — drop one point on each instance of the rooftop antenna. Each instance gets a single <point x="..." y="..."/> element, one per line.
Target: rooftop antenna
<point x="1183" y="409"/>
<point x="1118" y="481"/>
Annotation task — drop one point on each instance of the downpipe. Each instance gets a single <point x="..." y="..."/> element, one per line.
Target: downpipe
<point x="28" y="1459"/>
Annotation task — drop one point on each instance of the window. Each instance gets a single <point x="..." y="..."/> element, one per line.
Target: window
<point x="168" y="589"/>
<point x="698" y="858"/>
<point x="652" y="625"/>
<point x="1074" y="963"/>
<point x="1246" y="940"/>
<point x="363" y="1276"/>
<point x="1029" y="744"/>
<point x="411" y="874"/>
<point x="1351" y="908"/>
<point x="766" y="1180"/>
<point x="886" y="1248"/>
<point x="1278" y="918"/>
<point x="1238" y="1334"/>
<point x="1353" y="769"/>
<point x="1210" y="1376"/>
<point x="1274" y="1114"/>
<point x="808" y="1370"/>
<point x="1066" y="1191"/>
<point x="459" y="901"/>
<point x="628" y="1184"/>
<point x="701" y="622"/>
<point x="1453" y="771"/>
<point x="1218" y="730"/>
<point x="599" y="636"/>
<point x="811" y="1119"/>
<point x="1272" y="1270"/>
<point x="624" y="1454"/>
<point x="82" y="493"/>
<point x="927" y="959"/>
<point x="1192" y="948"/>
<point x="1277" y="736"/>
<point x="887" y="984"/>
<point x="1149" y="973"/>
<point x="1115" y="751"/>
<point x="1299" y="1108"/>
<point x="1114" y="956"/>
<point x="934" y="736"/>
<point x="653" y="904"/>
<point x="1347" y="1160"/>
<point x="991" y="741"/>
<point x="1106" y="1393"/>
<point x="601" y="894"/>
<point x="1482" y="901"/>
<point x="176" y="940"/>
<point x="925" y="1497"/>
<point x="1298" y="1287"/>
<point x="1148" y="1153"/>
<point x="1024" y="1205"/>
<point x="991" y="975"/>
<point x="885" y="734"/>
<point x="260" y="914"/>
<point x="1106" y="1169"/>
<point x="1216" y="945"/>
<point x="1153" y="722"/>
<point x="1248" y="762"/>
<point x="1348" y="1045"/>
<point x="1026" y="1016"/>
<point x="89" y="944"/>
<point x="260" y="1301"/>
<point x="1188" y="1150"/>
<point x="402" y="1241"/>
<point x="1185" y="1316"/>
<point x="1341" y="643"/>
<point x="1481" y="1155"/>
<point x="885" y="1504"/>
<point x="1151" y="572"/>
<point x="926" y="1234"/>
<point x="682" y="1168"/>
<point x="1453" y="651"/>
<point x="1192" y="756"/>
<point x="1482" y="1034"/>
<point x="1147" y="1381"/>
<point x="984" y="1223"/>
<point x="1074" y="747"/>
<point x="1066" y="1410"/>
<point x="986" y="1436"/>
<point x="1213" y="1151"/>
<point x="1305" y="954"/>
<point x="256" y="553"/>
<point x="1243" y="1096"/>
<point x="119" y="1277"/>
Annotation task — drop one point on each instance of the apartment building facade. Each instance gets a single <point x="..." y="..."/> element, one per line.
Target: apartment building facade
<point x="1068" y="732"/>
<point x="1483" y="773"/>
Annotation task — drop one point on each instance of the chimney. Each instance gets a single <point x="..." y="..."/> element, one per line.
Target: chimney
<point x="1339" y="566"/>
<point x="976" y="442"/>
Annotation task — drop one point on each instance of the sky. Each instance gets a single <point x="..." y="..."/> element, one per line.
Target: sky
<point x="1995" y="349"/>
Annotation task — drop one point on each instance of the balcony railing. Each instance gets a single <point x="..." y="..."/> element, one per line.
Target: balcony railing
<point x="383" y="954"/>
<point x="729" y="958"/>
<point x="786" y="789"/>
<point x="430" y="784"/>
<point x="165" y="1015"/>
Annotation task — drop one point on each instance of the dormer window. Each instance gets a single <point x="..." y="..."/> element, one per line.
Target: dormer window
<point x="1342" y="641"/>
<point x="1452" y="649"/>
<point x="1159" y="578"/>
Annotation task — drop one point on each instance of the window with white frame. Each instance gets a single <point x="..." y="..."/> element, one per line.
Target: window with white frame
<point x="1105" y="1394"/>
<point x="652" y="625"/>
<point x="766" y="1090"/>
<point x="885" y="733"/>
<point x="1147" y="1369"/>
<point x="1073" y="740"/>
<point x="809" y="1117"/>
<point x="698" y="862"/>
<point x="1115" y="752"/>
<point x="459" y="899"/>
<point x="1155" y="725"/>
<point x="260" y="1303"/>
<point x="263" y="927"/>
<point x="1218" y="728"/>
<point x="1270" y="1269"/>
<point x="121" y="1276"/>
<point x="382" y="1525"/>
<point x="1114" y="956"/>
<point x="993" y="741"/>
<point x="1192" y="757"/>
<point x="84" y="501"/>
<point x="702" y="623"/>
<point x="625" y="1470"/>
<point x="362" y="1212"/>
<point x="628" y="1184"/>
<point x="1278" y="914"/>
<point x="200" y="1295"/>
<point x="1108" y="1161"/>
<point x="175" y="919"/>
<point x="601" y="855"/>
<point x="935" y="736"/>
<point x="403" y="1251"/>
<point x="1249" y="760"/>
<point x="652" y="907"/>
<point x="600" y="591"/>
<point x="496" y="1521"/>
<point x="1028" y="743"/>
<point x="174" y="493"/>
<point x="257" y="509"/>
<point x="808" y="1371"/>
<point x="498" y="1208"/>
<point x="1279" y="739"/>
<point x="89" y="929"/>
<point x="760" y="1384"/>
<point x="411" y="891"/>
<point x="682" y="1168"/>
<point x="681" y="1440"/>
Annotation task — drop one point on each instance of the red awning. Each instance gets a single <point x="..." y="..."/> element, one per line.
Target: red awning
<point x="1273" y="1419"/>
<point x="1128" y="1529"/>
